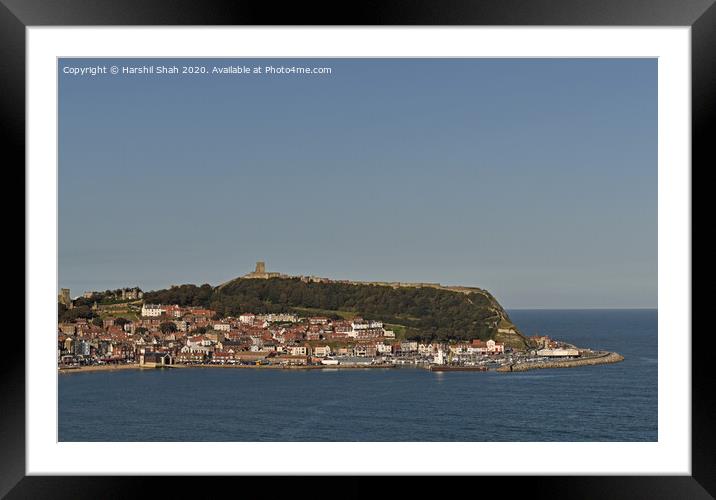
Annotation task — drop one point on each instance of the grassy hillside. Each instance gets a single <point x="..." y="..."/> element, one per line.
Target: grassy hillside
<point x="415" y="313"/>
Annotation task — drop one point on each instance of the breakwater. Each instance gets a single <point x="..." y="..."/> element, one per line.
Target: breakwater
<point x="282" y="367"/>
<point x="607" y="358"/>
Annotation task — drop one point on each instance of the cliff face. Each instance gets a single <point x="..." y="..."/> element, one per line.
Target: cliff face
<point x="512" y="337"/>
<point x="505" y="331"/>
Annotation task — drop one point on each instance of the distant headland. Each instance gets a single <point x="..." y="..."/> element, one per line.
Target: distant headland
<point x="269" y="319"/>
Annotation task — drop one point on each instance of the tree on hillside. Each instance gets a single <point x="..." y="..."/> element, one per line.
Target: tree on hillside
<point x="168" y="327"/>
<point x="65" y="315"/>
<point x="120" y="322"/>
<point x="425" y="313"/>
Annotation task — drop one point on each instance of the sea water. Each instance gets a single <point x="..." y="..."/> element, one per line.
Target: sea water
<point x="615" y="402"/>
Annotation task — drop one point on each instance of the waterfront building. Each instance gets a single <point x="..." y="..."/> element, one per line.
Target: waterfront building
<point x="190" y="357"/>
<point x="383" y="348"/>
<point x="426" y="349"/>
<point x="364" y="350"/>
<point x="299" y="350"/>
<point x="410" y="346"/>
<point x="322" y="351"/>
<point x="152" y="358"/>
<point x="495" y="347"/>
<point x="223" y="357"/>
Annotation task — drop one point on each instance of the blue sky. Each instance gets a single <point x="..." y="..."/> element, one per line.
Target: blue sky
<point x="533" y="178"/>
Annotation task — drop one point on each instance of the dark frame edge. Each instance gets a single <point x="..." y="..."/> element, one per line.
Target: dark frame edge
<point x="703" y="106"/>
<point x="12" y="127"/>
<point x="702" y="483"/>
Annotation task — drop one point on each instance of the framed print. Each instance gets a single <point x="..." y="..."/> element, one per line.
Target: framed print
<point x="450" y="241"/>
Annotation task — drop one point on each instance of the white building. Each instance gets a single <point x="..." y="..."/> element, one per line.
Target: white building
<point x="222" y="327"/>
<point x="182" y="325"/>
<point x="281" y="318"/>
<point x="359" y="324"/>
<point x="426" y="348"/>
<point x="410" y="346"/>
<point x="298" y="350"/>
<point x="197" y="349"/>
<point x="494" y="347"/>
<point x="247" y="318"/>
<point x="383" y="348"/>
<point x="460" y="348"/>
<point x="198" y="340"/>
<point x="152" y="310"/>
<point x="322" y="351"/>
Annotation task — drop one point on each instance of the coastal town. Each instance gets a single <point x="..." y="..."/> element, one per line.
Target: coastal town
<point x="128" y="332"/>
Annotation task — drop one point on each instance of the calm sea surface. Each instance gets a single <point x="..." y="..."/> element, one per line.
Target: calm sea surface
<point x="595" y="403"/>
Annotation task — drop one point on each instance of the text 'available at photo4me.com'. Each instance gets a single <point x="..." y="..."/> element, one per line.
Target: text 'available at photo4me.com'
<point x="197" y="70"/>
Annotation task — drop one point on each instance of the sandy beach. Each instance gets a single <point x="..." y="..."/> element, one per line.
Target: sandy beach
<point x="135" y="366"/>
<point x="100" y="368"/>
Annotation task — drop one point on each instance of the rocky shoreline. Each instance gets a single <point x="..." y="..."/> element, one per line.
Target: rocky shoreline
<point x="607" y="358"/>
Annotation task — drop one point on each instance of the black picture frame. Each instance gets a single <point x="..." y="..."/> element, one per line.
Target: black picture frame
<point x="700" y="15"/>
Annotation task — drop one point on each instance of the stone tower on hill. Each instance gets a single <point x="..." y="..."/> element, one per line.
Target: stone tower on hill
<point x="261" y="274"/>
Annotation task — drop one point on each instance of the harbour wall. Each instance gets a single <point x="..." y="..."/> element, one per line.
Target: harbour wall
<point x="610" y="357"/>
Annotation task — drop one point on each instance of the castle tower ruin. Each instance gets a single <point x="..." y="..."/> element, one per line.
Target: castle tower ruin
<point x="64" y="297"/>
